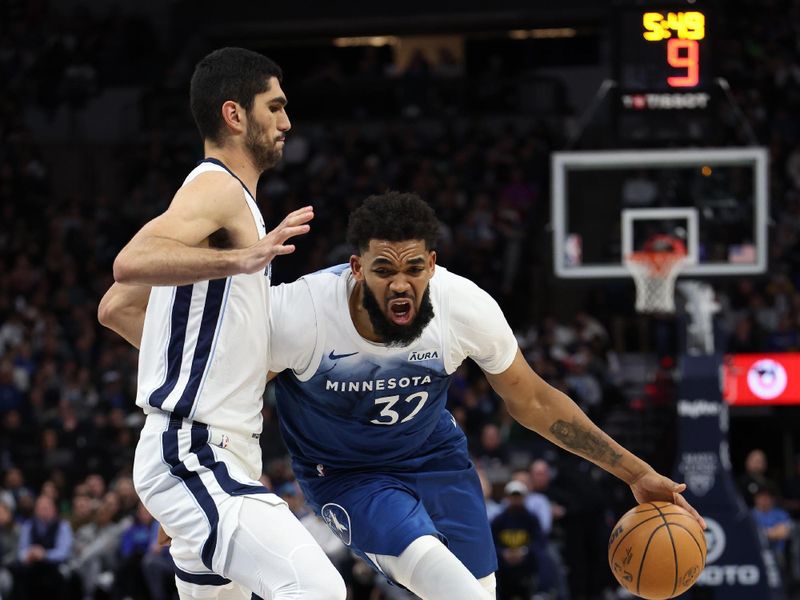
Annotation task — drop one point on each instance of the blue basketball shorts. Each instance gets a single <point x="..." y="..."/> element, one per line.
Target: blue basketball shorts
<point x="383" y="512"/>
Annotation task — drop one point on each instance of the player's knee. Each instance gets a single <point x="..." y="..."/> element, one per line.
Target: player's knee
<point x="315" y="578"/>
<point x="323" y="583"/>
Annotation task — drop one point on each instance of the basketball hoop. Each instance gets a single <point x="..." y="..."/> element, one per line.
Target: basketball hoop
<point x="654" y="270"/>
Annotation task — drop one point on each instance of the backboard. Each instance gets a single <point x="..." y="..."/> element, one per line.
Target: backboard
<point x="607" y="204"/>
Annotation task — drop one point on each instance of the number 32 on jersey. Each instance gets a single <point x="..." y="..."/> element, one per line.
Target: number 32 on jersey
<point x="389" y="416"/>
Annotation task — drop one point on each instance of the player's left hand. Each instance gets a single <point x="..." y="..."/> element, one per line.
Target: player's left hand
<point x="652" y="487"/>
<point x="163" y="538"/>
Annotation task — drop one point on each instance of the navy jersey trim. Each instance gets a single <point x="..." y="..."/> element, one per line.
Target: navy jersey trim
<point x="177" y="337"/>
<point x="194" y="484"/>
<point x="202" y="351"/>
<point x="219" y="163"/>
<point x="201" y="578"/>
<point x="205" y="455"/>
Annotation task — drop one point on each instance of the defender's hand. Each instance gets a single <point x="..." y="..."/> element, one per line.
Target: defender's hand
<point x="163" y="538"/>
<point x="652" y="487"/>
<point x="259" y="255"/>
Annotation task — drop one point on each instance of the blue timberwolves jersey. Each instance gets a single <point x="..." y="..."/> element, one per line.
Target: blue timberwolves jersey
<point x="346" y="403"/>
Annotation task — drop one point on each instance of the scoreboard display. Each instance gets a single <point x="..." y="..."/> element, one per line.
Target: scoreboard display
<point x="663" y="57"/>
<point x="663" y="50"/>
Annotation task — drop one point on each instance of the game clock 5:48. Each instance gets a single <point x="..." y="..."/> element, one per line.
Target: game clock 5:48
<point x="663" y="49"/>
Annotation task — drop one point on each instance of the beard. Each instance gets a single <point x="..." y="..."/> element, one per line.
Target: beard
<point x="265" y="155"/>
<point x="391" y="334"/>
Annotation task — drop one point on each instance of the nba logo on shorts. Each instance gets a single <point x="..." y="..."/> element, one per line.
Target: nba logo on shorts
<point x="338" y="521"/>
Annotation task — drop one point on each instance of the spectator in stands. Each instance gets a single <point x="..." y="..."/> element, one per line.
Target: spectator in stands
<point x="786" y="337"/>
<point x="754" y="477"/>
<point x="493" y="508"/>
<point x="584" y="385"/>
<point x="491" y="452"/>
<point x="95" y="486"/>
<point x="158" y="570"/>
<point x="44" y="544"/>
<point x="745" y="336"/>
<point x="774" y="522"/>
<point x="518" y="539"/>
<point x="537" y="501"/>
<point x="552" y="574"/>
<point x="134" y="546"/>
<point x="479" y="406"/>
<point x="791" y="503"/>
<point x="10" y="396"/>
<point x="582" y="527"/>
<point x="791" y="490"/>
<point x="94" y="561"/>
<point x="83" y="508"/>
<point x="9" y="542"/>
<point x="122" y="486"/>
<point x="14" y="485"/>
<point x="588" y="329"/>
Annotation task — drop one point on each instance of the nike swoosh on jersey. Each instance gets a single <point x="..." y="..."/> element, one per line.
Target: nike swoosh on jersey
<point x="333" y="356"/>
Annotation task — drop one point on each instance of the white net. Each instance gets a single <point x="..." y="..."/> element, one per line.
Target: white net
<point x="654" y="274"/>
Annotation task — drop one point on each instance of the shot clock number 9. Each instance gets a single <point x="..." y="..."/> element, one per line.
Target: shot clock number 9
<point x="683" y="32"/>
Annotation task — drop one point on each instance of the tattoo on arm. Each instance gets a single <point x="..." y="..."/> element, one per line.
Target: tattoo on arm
<point x="584" y="442"/>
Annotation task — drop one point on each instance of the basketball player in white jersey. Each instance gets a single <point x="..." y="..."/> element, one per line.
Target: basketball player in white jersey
<point x="202" y="271"/>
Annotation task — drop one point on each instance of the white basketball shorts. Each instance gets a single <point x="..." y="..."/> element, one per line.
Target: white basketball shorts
<point x="192" y="478"/>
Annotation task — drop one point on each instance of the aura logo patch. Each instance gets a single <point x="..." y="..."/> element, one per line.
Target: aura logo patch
<point x="767" y="379"/>
<point x="420" y="355"/>
<point x="338" y="521"/>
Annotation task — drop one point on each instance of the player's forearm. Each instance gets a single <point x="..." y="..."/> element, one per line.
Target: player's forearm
<point x="556" y="417"/>
<point x="130" y="327"/>
<point x="122" y="309"/>
<point x="161" y="261"/>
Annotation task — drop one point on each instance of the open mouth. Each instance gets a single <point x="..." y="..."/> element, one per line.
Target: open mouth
<point x="401" y="310"/>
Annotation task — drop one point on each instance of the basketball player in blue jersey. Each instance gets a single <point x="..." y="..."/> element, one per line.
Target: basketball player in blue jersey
<point x="192" y="292"/>
<point x="365" y="353"/>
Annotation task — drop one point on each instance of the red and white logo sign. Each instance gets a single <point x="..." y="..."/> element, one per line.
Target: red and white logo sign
<point x="762" y="378"/>
<point x="767" y="379"/>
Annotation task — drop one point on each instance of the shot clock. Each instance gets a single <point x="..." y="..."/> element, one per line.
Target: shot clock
<point x="663" y="49"/>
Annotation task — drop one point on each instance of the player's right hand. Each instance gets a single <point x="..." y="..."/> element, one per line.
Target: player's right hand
<point x="259" y="255"/>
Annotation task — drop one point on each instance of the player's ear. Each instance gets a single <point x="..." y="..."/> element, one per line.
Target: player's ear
<point x="432" y="261"/>
<point x="356" y="267"/>
<point x="233" y="116"/>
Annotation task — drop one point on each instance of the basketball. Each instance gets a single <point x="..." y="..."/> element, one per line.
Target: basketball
<point x="657" y="550"/>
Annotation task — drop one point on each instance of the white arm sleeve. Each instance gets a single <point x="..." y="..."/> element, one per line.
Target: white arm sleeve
<point x="478" y="328"/>
<point x="293" y="327"/>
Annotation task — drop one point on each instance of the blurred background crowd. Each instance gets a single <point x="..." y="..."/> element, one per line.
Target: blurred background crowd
<point x="95" y="137"/>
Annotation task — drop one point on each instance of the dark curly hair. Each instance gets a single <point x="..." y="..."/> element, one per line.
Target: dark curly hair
<point x="395" y="217"/>
<point x="227" y="74"/>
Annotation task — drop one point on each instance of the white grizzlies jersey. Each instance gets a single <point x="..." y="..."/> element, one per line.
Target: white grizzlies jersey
<point x="347" y="403"/>
<point x="204" y="347"/>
